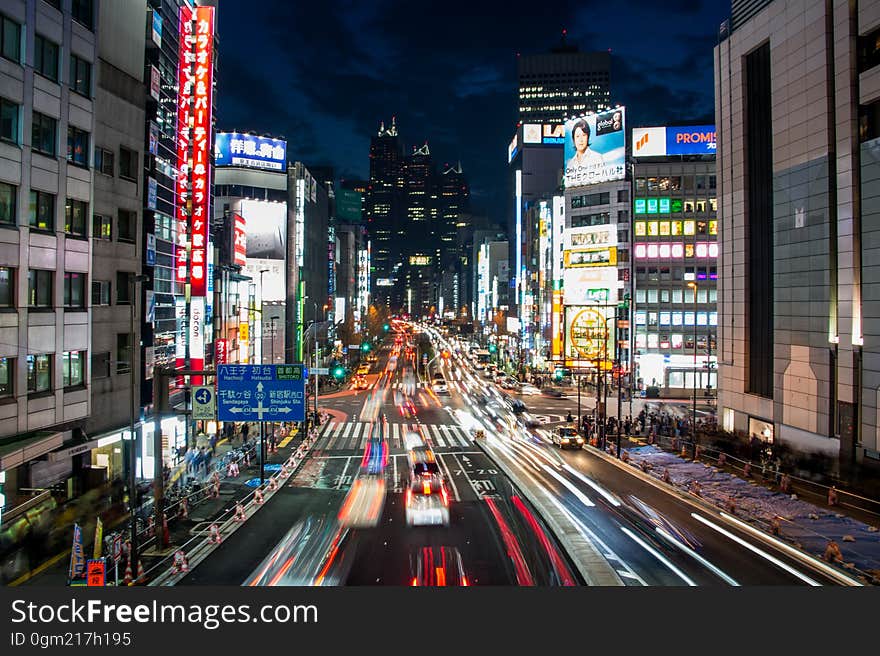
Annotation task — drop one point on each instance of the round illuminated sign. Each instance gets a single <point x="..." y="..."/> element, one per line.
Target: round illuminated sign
<point x="586" y="333"/>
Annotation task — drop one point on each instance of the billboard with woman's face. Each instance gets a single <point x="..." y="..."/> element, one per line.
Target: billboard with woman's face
<point x="595" y="148"/>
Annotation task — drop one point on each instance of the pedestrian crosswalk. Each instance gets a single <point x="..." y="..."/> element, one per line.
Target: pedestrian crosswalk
<point x="340" y="436"/>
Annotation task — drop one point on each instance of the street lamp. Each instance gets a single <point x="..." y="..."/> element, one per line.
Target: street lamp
<point x="132" y="442"/>
<point x="693" y="287"/>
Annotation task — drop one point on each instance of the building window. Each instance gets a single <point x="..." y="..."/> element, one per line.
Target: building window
<point x="74" y="290"/>
<point x="73" y="365"/>
<point x="10" y="39"/>
<point x="104" y="161"/>
<point x="100" y="292"/>
<point x="40" y="288"/>
<point x="46" y="57"/>
<point x="8" y="201"/>
<point x="101" y="365"/>
<point x="7" y="287"/>
<point x="7" y="377"/>
<point x="43" y="134"/>
<point x="623" y="195"/>
<point x="8" y="121"/>
<point x="123" y="291"/>
<point x="127" y="225"/>
<point x="75" y="213"/>
<point x="42" y="211"/>
<point x="80" y="76"/>
<point x="82" y="12"/>
<point x="102" y="227"/>
<point x="39" y="373"/>
<point x="622" y="216"/>
<point x="123" y="353"/>
<point x="128" y="163"/>
<point x="869" y="50"/>
<point x="77" y="146"/>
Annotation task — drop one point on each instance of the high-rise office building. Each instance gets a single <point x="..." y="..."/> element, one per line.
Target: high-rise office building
<point x="797" y="170"/>
<point x="421" y="208"/>
<point x="385" y="206"/>
<point x="562" y="83"/>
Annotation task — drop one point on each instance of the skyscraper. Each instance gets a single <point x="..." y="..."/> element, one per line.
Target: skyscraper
<point x="563" y="82"/>
<point x="385" y="203"/>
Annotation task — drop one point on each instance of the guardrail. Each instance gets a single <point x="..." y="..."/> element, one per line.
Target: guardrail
<point x="168" y="570"/>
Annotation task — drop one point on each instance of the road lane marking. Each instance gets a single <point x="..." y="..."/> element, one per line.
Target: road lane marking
<point x="647" y="547"/>
<point x="580" y="496"/>
<point x="783" y="566"/>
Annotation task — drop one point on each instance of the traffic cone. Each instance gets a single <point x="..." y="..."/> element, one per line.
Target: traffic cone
<point x="127" y="579"/>
<point x="272" y="484"/>
<point x="722" y="458"/>
<point x="747" y="469"/>
<point x="166" y="535"/>
<point x="666" y="477"/>
<point x="258" y="496"/>
<point x="184" y="510"/>
<point x="774" y="525"/>
<point x="151" y="526"/>
<point x="215" y="534"/>
<point x="832" y="496"/>
<point x="239" y="512"/>
<point x="142" y="577"/>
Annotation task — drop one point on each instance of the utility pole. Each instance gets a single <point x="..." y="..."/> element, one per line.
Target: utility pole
<point x="693" y="286"/>
<point x="132" y="442"/>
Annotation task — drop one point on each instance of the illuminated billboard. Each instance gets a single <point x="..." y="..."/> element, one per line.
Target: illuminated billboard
<point x="595" y="148"/>
<point x="266" y="228"/>
<point x="234" y="149"/>
<point x="420" y="260"/>
<point x="586" y="285"/>
<point x="589" y="333"/>
<point x="680" y="140"/>
<point x="590" y="236"/>
<point x="239" y="240"/>
<point x="511" y="149"/>
<point x="590" y="257"/>
<point x="545" y="134"/>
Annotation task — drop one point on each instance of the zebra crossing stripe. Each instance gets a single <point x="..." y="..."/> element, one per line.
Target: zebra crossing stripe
<point x="334" y="439"/>
<point x="437" y="436"/>
<point x="355" y="438"/>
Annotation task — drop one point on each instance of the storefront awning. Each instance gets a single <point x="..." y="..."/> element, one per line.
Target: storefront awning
<point x="17" y="453"/>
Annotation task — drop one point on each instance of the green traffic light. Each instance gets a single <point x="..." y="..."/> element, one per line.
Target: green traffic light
<point x="559" y="374"/>
<point x="339" y="372"/>
<point x="385" y="327"/>
<point x="492" y="348"/>
<point x="365" y="347"/>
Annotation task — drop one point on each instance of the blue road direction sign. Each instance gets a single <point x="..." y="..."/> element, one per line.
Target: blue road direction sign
<point x="261" y="392"/>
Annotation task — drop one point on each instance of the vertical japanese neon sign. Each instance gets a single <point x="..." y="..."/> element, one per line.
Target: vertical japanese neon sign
<point x="186" y="57"/>
<point x="201" y="146"/>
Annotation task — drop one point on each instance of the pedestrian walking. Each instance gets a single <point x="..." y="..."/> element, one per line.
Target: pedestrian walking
<point x="244" y="433"/>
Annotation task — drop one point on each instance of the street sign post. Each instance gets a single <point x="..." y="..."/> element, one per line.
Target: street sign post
<point x="319" y="370"/>
<point x="261" y="392"/>
<point x="204" y="402"/>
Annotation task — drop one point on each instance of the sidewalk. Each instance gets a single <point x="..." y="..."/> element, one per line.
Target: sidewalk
<point x="846" y="537"/>
<point x="54" y="571"/>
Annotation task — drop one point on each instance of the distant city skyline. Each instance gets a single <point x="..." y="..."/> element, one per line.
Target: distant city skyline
<point x="345" y="69"/>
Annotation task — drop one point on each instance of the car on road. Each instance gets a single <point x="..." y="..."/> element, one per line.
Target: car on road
<point x="439" y="386"/>
<point x="427" y="502"/>
<point x="363" y="369"/>
<point x="360" y="382"/>
<point x="372" y="357"/>
<point x="566" y="437"/>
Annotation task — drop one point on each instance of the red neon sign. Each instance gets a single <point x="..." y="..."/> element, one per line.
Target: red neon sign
<point x="239" y="246"/>
<point x="201" y="147"/>
<point x="195" y="86"/>
<point x="184" y="96"/>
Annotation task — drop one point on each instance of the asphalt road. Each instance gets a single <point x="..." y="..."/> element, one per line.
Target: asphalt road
<point x="646" y="534"/>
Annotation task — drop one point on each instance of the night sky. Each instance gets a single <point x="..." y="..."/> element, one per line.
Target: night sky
<point x="323" y="73"/>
